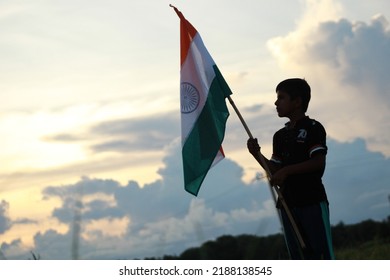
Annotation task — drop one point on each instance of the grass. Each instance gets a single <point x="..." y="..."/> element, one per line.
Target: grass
<point x="373" y="250"/>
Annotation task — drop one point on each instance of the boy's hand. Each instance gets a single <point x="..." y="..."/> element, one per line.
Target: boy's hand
<point x="278" y="178"/>
<point x="253" y="146"/>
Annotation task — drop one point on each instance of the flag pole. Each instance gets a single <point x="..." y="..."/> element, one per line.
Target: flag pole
<point x="268" y="174"/>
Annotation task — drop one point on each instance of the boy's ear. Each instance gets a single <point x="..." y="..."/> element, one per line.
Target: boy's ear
<point x="298" y="101"/>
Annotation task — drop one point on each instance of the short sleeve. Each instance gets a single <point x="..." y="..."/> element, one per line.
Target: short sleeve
<point x="317" y="139"/>
<point x="276" y="149"/>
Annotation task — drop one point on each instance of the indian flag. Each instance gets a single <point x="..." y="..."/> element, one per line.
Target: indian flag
<point x="203" y="109"/>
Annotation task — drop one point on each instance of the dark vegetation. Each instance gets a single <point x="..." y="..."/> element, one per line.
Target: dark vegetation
<point x="367" y="240"/>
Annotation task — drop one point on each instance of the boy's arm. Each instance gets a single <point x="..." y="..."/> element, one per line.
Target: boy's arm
<point x="254" y="149"/>
<point x="315" y="163"/>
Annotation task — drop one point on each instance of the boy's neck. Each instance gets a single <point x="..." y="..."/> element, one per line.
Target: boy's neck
<point x="295" y="118"/>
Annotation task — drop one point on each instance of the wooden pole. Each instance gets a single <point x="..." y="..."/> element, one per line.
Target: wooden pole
<point x="268" y="173"/>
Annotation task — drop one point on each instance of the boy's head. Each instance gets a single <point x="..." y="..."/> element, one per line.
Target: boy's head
<point x="296" y="88"/>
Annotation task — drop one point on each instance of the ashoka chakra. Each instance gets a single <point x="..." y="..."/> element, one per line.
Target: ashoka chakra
<point x="189" y="98"/>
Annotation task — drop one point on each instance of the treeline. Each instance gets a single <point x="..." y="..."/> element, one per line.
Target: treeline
<point x="366" y="240"/>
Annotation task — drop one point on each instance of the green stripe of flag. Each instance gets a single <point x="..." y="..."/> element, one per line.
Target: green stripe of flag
<point x="205" y="139"/>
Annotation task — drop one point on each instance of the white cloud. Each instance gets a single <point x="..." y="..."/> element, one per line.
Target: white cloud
<point x="346" y="63"/>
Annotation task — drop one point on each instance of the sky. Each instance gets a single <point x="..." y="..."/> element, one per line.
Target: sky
<point x="90" y="121"/>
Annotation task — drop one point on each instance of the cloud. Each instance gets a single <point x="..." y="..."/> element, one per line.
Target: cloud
<point x="137" y="220"/>
<point x="125" y="221"/>
<point x="357" y="51"/>
<point x="161" y="218"/>
<point x="24" y="221"/>
<point x="152" y="132"/>
<point x="14" y="249"/>
<point x="346" y="62"/>
<point x="148" y="133"/>
<point x="5" y="222"/>
<point x="356" y="182"/>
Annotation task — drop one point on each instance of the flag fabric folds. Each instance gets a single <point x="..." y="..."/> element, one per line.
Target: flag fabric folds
<point x="203" y="109"/>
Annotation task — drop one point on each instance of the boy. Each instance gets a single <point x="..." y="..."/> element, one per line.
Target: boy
<point x="297" y="165"/>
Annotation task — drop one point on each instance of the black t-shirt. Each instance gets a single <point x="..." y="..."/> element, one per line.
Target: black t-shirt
<point x="296" y="145"/>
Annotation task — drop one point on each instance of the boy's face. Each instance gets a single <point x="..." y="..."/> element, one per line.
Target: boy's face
<point x="285" y="106"/>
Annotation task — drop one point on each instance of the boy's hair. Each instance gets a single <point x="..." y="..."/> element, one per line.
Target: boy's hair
<point x="296" y="87"/>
